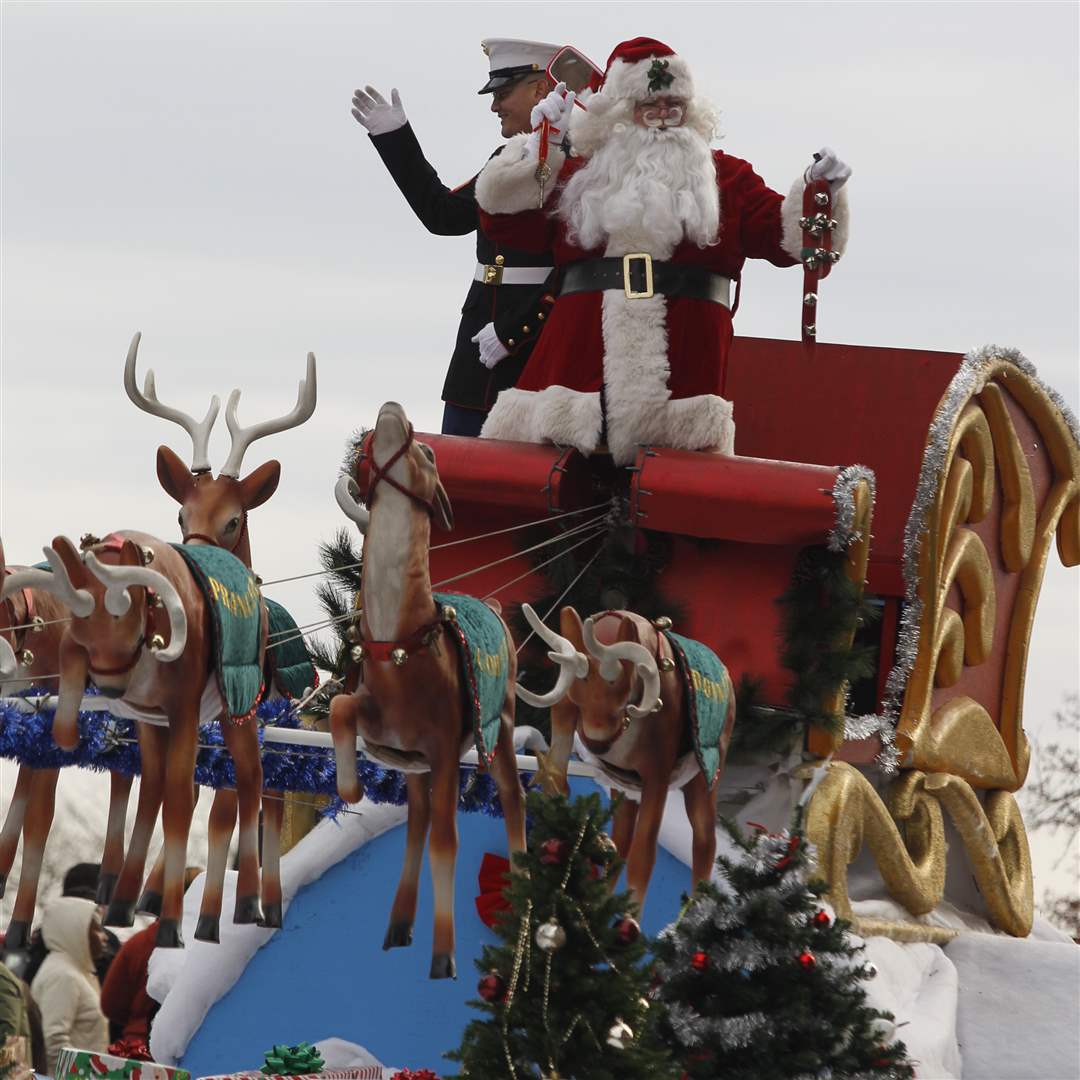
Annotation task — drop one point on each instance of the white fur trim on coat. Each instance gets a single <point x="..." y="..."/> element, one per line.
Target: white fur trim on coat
<point x="640" y="409"/>
<point x="507" y="184"/>
<point x="791" y="210"/>
<point x="555" y="414"/>
<point x="626" y="80"/>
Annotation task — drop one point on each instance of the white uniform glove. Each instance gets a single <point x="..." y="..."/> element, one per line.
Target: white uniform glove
<point x="492" y="350"/>
<point x="827" y="166"/>
<point x="377" y="114"/>
<point x="556" y="110"/>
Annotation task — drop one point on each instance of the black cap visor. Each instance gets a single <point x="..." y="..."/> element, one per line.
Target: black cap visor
<point x="505" y="76"/>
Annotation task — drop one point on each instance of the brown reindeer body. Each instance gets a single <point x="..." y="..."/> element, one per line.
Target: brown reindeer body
<point x="35" y="651"/>
<point x="117" y="653"/>
<point x="411" y="711"/>
<point x="214" y="510"/>
<point x="653" y="751"/>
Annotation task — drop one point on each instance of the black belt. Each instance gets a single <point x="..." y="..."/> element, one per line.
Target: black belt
<point x="639" y="276"/>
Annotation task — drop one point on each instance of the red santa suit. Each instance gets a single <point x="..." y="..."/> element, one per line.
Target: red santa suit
<point x="636" y="370"/>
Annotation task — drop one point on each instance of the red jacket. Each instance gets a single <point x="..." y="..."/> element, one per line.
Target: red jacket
<point x="124" y="999"/>
<point x="572" y="349"/>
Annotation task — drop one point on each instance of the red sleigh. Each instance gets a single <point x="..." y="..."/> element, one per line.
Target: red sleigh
<point x="977" y="472"/>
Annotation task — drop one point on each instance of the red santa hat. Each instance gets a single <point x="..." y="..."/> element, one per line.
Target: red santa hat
<point x="642" y="68"/>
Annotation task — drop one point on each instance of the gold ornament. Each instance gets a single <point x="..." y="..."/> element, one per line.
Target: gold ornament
<point x="621" y="1035"/>
<point x="550" y="936"/>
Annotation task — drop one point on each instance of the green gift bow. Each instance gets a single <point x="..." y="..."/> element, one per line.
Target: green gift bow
<point x="292" y="1060"/>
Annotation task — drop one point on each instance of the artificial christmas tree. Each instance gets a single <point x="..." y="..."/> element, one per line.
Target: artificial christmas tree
<point x="760" y="982"/>
<point x="566" y="994"/>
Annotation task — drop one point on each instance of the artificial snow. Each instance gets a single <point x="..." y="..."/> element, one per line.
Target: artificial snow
<point x="1019" y="1004"/>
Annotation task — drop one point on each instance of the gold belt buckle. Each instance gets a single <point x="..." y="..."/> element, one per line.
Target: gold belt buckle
<point x="627" y="263"/>
<point x="492" y="274"/>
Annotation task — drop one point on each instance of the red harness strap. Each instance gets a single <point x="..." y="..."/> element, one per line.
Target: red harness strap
<point x="417" y="640"/>
<point x="377" y="472"/>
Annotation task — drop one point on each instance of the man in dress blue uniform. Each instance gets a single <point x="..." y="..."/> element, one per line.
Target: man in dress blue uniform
<point x="507" y="300"/>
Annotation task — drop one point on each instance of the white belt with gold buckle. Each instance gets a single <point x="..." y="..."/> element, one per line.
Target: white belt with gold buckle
<point x="511" y="275"/>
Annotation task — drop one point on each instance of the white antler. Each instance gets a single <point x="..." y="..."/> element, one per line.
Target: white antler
<point x="80" y="601"/>
<point x="242" y="438"/>
<point x="572" y="664"/>
<point x="609" y="657"/>
<point x="147" y="400"/>
<point x="348" y="498"/>
<point x="116" y="579"/>
<point x="8" y="664"/>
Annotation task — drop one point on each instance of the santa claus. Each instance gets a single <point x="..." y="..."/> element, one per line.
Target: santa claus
<point x="649" y="228"/>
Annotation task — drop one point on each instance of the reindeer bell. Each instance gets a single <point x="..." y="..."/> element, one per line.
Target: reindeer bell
<point x="147" y="553"/>
<point x="663" y="622"/>
<point x="37" y="624"/>
<point x="399" y="656"/>
<point x="353" y="633"/>
<point x="658" y="706"/>
<point x="26" y="658"/>
<point x="357" y="653"/>
<point x="157" y="642"/>
<point x="155" y="600"/>
<point x="449" y="613"/>
<point x="666" y="664"/>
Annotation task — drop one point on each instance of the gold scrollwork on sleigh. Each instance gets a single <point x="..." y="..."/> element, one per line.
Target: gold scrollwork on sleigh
<point x="1008" y="487"/>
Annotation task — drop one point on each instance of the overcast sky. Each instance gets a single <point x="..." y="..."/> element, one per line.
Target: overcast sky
<point x="192" y="170"/>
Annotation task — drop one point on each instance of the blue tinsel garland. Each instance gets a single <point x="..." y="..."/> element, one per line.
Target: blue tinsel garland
<point x="107" y="744"/>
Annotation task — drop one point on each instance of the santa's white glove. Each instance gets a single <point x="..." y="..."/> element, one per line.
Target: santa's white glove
<point x="556" y="109"/>
<point x="827" y="166"/>
<point x="377" y="114"/>
<point x="492" y="350"/>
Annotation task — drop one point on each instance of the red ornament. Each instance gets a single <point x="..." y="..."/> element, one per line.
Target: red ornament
<point x="628" y="929"/>
<point x="553" y="852"/>
<point x="808" y="960"/>
<point x="823" y="920"/>
<point x="492" y="987"/>
<point x="700" y="961"/>
<point x="414" y="1074"/>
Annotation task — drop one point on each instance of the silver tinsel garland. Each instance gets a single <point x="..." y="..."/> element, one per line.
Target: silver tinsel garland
<point x="731" y="1032"/>
<point x="969" y="380"/>
<point x="844" y="533"/>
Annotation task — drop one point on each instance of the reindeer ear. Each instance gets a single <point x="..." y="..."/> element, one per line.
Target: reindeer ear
<point x="260" y="484"/>
<point x="77" y="573"/>
<point x="571" y="628"/>
<point x="173" y="475"/>
<point x="628" y="630"/>
<point x="444" y="514"/>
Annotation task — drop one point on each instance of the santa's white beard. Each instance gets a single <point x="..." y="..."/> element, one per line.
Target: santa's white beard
<point x="644" y="189"/>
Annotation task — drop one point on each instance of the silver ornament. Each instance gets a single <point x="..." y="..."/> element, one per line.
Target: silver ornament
<point x="550" y="936"/>
<point x="620" y="1035"/>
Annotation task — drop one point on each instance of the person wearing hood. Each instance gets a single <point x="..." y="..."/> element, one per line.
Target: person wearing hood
<point x="66" y="986"/>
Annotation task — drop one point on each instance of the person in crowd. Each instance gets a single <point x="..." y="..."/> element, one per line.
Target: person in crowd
<point x="507" y="299"/>
<point x="124" y="998"/>
<point x="66" y="985"/>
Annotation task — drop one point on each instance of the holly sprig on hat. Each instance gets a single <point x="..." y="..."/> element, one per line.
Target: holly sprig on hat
<point x="659" y="76"/>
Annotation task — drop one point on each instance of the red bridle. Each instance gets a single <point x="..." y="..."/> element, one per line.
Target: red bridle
<point x="378" y="473"/>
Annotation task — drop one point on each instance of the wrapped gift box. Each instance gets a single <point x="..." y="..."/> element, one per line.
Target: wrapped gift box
<point x="91" y="1065"/>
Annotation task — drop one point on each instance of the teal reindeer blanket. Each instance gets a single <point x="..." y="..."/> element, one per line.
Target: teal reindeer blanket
<point x="485" y="665"/>
<point x="708" y="695"/>
<point x="287" y="657"/>
<point x="235" y="604"/>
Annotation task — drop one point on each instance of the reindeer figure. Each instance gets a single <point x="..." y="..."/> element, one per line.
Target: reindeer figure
<point x="116" y="637"/>
<point x="214" y="510"/>
<point x="637" y="696"/>
<point x="410" y="707"/>
<point x="31" y="625"/>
